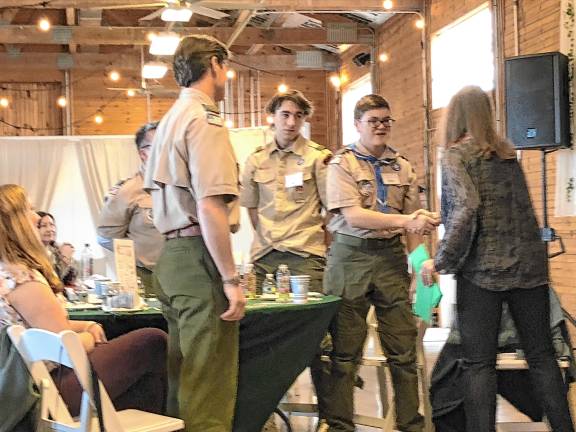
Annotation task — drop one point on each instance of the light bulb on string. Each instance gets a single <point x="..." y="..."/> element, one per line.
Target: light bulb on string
<point x="44" y="24"/>
<point x="231" y="74"/>
<point x="282" y="88"/>
<point x="335" y="81"/>
<point x="419" y="24"/>
<point x="4" y="102"/>
<point x="98" y="119"/>
<point x="114" y="75"/>
<point x="269" y="119"/>
<point x="383" y="57"/>
<point x="387" y="4"/>
<point x="229" y="124"/>
<point x="130" y="93"/>
<point x="62" y="102"/>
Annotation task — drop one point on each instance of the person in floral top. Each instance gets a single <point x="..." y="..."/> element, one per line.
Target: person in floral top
<point x="131" y="367"/>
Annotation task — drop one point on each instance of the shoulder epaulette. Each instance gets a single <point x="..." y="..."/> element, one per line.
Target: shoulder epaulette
<point x="211" y="108"/>
<point x="259" y="149"/>
<point x="316" y="146"/>
<point x="113" y="191"/>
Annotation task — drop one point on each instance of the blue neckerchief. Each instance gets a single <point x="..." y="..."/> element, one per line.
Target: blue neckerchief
<point x="381" y="188"/>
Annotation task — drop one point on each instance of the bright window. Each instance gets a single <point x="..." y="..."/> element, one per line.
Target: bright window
<point x="350" y="96"/>
<point x="462" y="55"/>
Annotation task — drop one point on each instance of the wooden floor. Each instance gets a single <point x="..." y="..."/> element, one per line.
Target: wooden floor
<point x="367" y="400"/>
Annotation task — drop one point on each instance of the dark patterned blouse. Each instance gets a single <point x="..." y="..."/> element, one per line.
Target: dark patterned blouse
<point x="492" y="237"/>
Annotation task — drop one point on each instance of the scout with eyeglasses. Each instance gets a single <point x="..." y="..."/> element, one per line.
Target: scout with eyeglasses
<point x="372" y="192"/>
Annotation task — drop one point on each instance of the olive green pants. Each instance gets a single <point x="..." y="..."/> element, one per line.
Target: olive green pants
<point x="314" y="267"/>
<point x="202" y="349"/>
<point x="147" y="278"/>
<point x="365" y="277"/>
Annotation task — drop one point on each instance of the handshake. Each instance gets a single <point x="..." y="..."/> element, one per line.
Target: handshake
<point x="422" y="222"/>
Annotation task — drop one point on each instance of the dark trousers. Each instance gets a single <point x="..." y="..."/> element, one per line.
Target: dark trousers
<point x="132" y="368"/>
<point x="479" y="312"/>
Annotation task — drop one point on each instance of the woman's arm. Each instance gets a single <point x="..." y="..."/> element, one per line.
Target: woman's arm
<point x="461" y="195"/>
<point x="38" y="306"/>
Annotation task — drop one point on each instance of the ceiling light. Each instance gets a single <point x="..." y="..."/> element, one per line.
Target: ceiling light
<point x="61" y="102"/>
<point x="154" y="70"/>
<point x="44" y="24"/>
<point x="114" y="75"/>
<point x="335" y="80"/>
<point x="282" y="88"/>
<point x="165" y="43"/>
<point x="230" y="74"/>
<point x="4" y="102"/>
<point x="150" y="36"/>
<point x="130" y="93"/>
<point x="176" y="14"/>
<point x="383" y="57"/>
<point x="388" y="4"/>
<point x="419" y="24"/>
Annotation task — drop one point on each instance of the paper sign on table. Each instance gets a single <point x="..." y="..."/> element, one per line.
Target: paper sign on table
<point x="427" y="297"/>
<point x="125" y="261"/>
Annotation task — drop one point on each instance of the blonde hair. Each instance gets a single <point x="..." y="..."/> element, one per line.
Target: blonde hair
<point x="20" y="243"/>
<point x="469" y="113"/>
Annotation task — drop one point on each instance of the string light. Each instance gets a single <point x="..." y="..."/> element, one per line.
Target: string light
<point x="229" y="124"/>
<point x="269" y="119"/>
<point x="130" y="93"/>
<point x="282" y="88"/>
<point x="384" y="57"/>
<point x="62" y="102"/>
<point x="231" y="74"/>
<point x="387" y="4"/>
<point x="44" y="24"/>
<point x="335" y="80"/>
<point x="419" y="24"/>
<point x="4" y="102"/>
<point x="114" y="75"/>
<point x="98" y="119"/>
<point x="344" y="78"/>
<point x="150" y="36"/>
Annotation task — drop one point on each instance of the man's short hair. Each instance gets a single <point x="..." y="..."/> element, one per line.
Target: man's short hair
<point x="141" y="134"/>
<point x="293" y="96"/>
<point x="369" y="102"/>
<point x="192" y="58"/>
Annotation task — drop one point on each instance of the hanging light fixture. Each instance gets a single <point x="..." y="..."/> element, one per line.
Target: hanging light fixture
<point x="154" y="70"/>
<point x="164" y="43"/>
<point x="176" y="13"/>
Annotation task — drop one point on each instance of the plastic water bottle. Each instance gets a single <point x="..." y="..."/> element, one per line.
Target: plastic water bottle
<point x="283" y="283"/>
<point x="250" y="280"/>
<point x="87" y="260"/>
<point x="269" y="284"/>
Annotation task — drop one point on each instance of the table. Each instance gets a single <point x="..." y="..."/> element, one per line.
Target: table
<point x="277" y="342"/>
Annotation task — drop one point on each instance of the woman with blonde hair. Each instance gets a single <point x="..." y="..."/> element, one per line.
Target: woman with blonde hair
<point x="131" y="367"/>
<point x="492" y="244"/>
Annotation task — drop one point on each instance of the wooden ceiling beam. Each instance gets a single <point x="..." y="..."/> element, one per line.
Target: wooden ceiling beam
<point x="16" y="34"/>
<point x="285" y="5"/>
<point x="71" y="20"/>
<point x="89" y="61"/>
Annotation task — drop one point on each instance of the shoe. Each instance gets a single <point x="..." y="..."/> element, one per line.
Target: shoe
<point x="322" y="426"/>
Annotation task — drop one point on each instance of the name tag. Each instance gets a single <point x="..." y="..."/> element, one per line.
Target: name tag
<point x="390" y="178"/>
<point x="294" y="180"/>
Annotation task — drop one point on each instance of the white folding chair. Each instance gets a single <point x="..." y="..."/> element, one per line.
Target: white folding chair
<point x="38" y="346"/>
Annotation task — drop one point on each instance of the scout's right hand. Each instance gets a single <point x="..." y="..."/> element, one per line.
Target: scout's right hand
<point x="421" y="224"/>
<point x="236" y="301"/>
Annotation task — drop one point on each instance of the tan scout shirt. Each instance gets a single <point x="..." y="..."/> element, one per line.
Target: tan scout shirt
<point x="352" y="182"/>
<point x="288" y="187"/>
<point x="191" y="159"/>
<point x="127" y="213"/>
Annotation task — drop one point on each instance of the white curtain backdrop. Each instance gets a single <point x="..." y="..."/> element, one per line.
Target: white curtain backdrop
<point x="33" y="163"/>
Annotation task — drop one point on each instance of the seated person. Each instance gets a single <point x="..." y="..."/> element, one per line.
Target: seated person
<point x="132" y="367"/>
<point x="446" y="390"/>
<point x="61" y="257"/>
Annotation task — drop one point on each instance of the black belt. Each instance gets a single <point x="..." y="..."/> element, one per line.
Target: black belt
<point x="365" y="243"/>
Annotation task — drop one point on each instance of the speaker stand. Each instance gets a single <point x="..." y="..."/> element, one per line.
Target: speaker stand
<point x="548" y="233"/>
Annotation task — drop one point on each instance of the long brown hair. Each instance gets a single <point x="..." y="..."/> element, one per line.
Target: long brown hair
<point x="20" y="243"/>
<point x="469" y="113"/>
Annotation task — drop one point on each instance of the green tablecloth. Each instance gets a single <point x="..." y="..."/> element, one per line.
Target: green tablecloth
<point x="277" y="342"/>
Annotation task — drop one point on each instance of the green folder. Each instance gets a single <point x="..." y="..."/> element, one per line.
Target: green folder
<point x="427" y="297"/>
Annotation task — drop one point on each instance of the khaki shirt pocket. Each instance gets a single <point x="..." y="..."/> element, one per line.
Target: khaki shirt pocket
<point x="264" y="175"/>
<point x="367" y="191"/>
<point x="395" y="196"/>
<point x="298" y="194"/>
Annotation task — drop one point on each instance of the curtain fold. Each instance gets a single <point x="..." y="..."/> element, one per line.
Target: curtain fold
<point x="33" y="164"/>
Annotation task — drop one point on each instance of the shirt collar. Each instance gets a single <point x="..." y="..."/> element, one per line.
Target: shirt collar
<point x="190" y="93"/>
<point x="389" y="154"/>
<point x="297" y="146"/>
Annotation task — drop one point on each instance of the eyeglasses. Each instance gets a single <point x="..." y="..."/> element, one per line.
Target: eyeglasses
<point x="376" y="122"/>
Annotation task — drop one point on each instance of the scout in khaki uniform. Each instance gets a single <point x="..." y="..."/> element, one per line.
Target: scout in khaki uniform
<point x="373" y="195"/>
<point x="127" y="213"/>
<point x="193" y="178"/>
<point x="284" y="189"/>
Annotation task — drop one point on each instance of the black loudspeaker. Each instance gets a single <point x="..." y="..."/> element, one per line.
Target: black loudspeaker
<point x="537" y="101"/>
